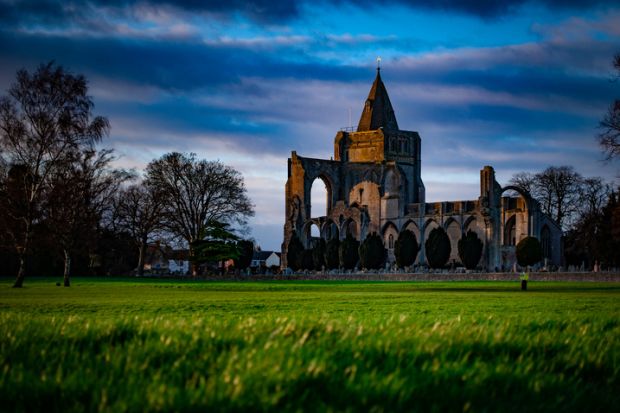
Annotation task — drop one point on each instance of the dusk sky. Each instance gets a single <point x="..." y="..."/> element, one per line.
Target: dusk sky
<point x="519" y="85"/>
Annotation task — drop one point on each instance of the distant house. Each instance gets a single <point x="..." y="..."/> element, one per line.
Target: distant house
<point x="265" y="259"/>
<point x="178" y="262"/>
<point x="165" y="260"/>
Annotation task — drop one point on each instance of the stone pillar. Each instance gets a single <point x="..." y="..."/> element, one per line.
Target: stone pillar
<point x="490" y="207"/>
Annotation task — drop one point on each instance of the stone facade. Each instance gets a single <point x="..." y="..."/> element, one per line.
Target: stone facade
<point x="374" y="184"/>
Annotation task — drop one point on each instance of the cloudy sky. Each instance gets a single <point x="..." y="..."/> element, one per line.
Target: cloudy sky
<point x="516" y="84"/>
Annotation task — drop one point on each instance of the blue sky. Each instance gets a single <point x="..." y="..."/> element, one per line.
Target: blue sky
<point x="519" y="85"/>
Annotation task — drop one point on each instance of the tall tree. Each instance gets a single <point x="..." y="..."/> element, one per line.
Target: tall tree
<point x="372" y="253"/>
<point x="139" y="212"/>
<point x="593" y="194"/>
<point x="217" y="243"/>
<point x="406" y="248"/>
<point x="437" y="248"/>
<point x="470" y="249"/>
<point x="294" y="252"/>
<point x="196" y="193"/>
<point x="246" y="251"/>
<point x="331" y="253"/>
<point x="524" y="180"/>
<point x="563" y="186"/>
<point x="45" y="116"/>
<point x="318" y="254"/>
<point x="81" y="192"/>
<point x="558" y="190"/>
<point x="348" y="252"/>
<point x="609" y="139"/>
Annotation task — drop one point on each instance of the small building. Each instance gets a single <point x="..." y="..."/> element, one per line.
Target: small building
<point x="165" y="260"/>
<point x="265" y="259"/>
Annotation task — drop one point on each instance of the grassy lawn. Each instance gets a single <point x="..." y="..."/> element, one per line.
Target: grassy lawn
<point x="148" y="345"/>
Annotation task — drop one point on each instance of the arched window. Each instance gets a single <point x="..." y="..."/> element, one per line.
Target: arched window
<point x="406" y="147"/>
<point x="319" y="198"/>
<point x="391" y="242"/>
<point x="393" y="145"/>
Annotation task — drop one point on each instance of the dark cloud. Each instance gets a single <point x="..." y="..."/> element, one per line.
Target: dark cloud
<point x="168" y="65"/>
<point x="55" y="12"/>
<point x="61" y="12"/>
<point x="496" y="8"/>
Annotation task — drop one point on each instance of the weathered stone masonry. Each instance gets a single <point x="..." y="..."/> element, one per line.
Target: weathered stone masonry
<point x="374" y="184"/>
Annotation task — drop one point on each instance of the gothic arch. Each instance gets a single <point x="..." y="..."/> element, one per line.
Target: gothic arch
<point x="449" y="221"/>
<point x="525" y="194"/>
<point x="410" y="225"/>
<point x="327" y="181"/>
<point x="330" y="230"/>
<point x="429" y="224"/>
<point x="510" y="231"/>
<point x="389" y="234"/>
<point x="350" y="227"/>
<point x="466" y="225"/>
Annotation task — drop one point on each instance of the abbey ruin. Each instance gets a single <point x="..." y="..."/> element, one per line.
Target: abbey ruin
<point x="374" y="184"/>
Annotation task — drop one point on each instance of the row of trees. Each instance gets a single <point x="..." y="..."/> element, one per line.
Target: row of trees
<point x="62" y="200"/>
<point x="372" y="254"/>
<point x="587" y="210"/>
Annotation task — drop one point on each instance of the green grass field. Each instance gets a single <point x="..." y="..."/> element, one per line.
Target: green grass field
<point x="146" y="345"/>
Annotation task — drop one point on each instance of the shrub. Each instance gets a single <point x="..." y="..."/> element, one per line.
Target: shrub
<point x="246" y="251"/>
<point x="406" y="248"/>
<point x="437" y="248"/>
<point x="293" y="253"/>
<point x="529" y="251"/>
<point x="331" y="253"/>
<point x="348" y="252"/>
<point x="372" y="252"/>
<point x="318" y="254"/>
<point x="470" y="250"/>
<point x="307" y="263"/>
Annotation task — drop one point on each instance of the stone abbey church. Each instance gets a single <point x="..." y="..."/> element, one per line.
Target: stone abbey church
<point x="374" y="184"/>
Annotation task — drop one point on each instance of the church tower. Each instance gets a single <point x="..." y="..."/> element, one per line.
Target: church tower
<point x="379" y="139"/>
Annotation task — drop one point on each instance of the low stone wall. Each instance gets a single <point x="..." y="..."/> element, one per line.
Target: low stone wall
<point x="502" y="276"/>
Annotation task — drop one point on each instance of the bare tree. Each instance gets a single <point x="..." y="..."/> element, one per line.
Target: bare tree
<point x="562" y="186"/>
<point x="609" y="139"/>
<point x="82" y="191"/>
<point x="138" y="210"/>
<point x="523" y="180"/>
<point x="45" y="116"/>
<point x="594" y="193"/>
<point x="196" y="193"/>
<point x="557" y="188"/>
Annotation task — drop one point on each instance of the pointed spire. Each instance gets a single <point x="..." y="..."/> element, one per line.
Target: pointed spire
<point x="378" y="111"/>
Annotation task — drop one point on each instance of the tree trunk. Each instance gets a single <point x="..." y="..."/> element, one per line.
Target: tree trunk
<point x="67" y="282"/>
<point x="192" y="262"/>
<point x="141" y="257"/>
<point x="21" y="273"/>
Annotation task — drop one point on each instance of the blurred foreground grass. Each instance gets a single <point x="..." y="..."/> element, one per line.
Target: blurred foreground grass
<point x="149" y="345"/>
